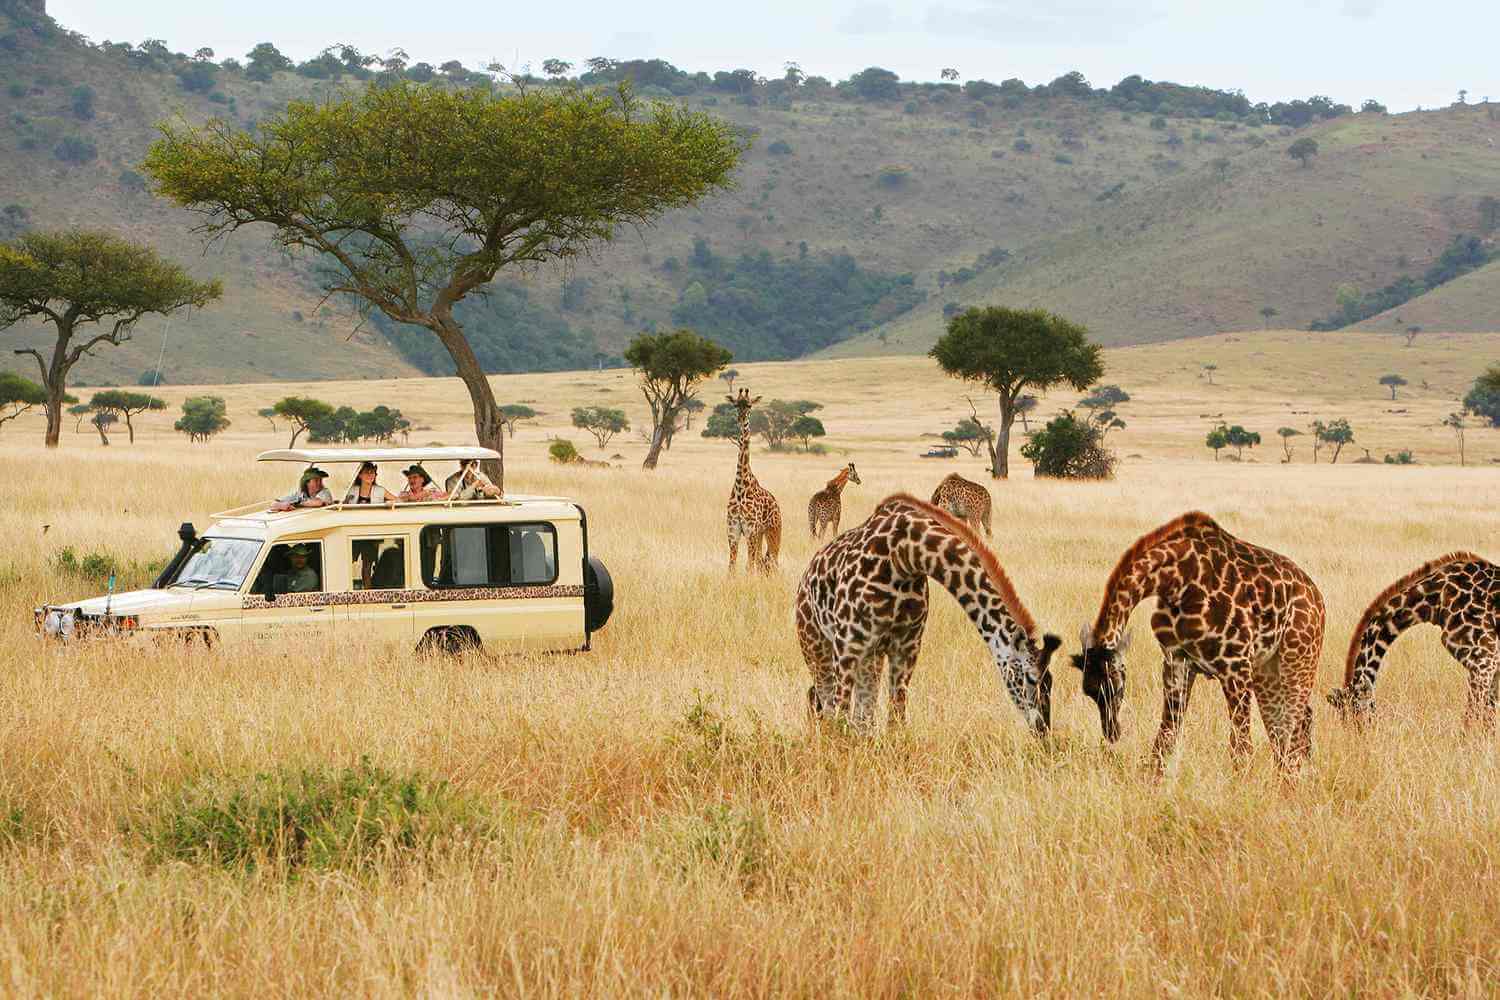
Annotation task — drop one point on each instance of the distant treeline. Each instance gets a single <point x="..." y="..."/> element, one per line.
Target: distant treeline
<point x="1464" y="254"/>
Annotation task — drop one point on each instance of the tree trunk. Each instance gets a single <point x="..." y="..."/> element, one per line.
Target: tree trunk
<point x="658" y="437"/>
<point x="489" y="428"/>
<point x="103" y="438"/>
<point x="1000" y="467"/>
<point x="129" y="427"/>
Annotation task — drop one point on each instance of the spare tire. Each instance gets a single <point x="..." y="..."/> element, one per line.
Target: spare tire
<point x="598" y="594"/>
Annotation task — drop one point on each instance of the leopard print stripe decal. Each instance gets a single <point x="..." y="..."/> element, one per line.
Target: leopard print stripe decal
<point x="349" y="597"/>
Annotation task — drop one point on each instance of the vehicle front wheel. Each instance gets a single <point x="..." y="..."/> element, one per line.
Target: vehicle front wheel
<point x="452" y="640"/>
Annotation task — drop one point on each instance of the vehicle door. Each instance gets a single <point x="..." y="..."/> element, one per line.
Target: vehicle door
<point x="500" y="579"/>
<point x="290" y="599"/>
<point x="378" y="603"/>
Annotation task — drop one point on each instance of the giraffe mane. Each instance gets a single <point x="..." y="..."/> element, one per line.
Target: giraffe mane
<point x="987" y="557"/>
<point x="1193" y="519"/>
<point x="1385" y="595"/>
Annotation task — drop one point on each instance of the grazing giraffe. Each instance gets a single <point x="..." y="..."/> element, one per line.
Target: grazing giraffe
<point x="863" y="599"/>
<point x="1460" y="594"/>
<point x="753" y="513"/>
<point x="1243" y="615"/>
<point x="965" y="500"/>
<point x="826" y="505"/>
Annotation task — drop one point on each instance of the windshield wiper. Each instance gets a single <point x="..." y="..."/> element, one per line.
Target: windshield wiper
<point x="217" y="583"/>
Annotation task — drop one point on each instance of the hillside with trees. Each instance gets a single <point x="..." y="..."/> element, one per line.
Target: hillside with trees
<point x="865" y="211"/>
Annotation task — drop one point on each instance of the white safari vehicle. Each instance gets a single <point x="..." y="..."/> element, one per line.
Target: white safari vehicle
<point x="443" y="575"/>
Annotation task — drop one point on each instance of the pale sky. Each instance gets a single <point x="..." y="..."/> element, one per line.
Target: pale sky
<point x="1404" y="54"/>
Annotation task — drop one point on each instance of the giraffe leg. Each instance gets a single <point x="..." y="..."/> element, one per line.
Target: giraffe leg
<point x="1484" y="692"/>
<point x="862" y="678"/>
<point x="1177" y="675"/>
<point x="1237" y="698"/>
<point x="1285" y="712"/>
<point x="734" y="545"/>
<point x="822" y="696"/>
<point x="903" y="660"/>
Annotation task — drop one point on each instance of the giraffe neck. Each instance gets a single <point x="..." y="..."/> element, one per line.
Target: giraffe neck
<point x="961" y="571"/>
<point x="1419" y="603"/>
<point x="1150" y="573"/>
<point x="743" y="477"/>
<point x="837" y="483"/>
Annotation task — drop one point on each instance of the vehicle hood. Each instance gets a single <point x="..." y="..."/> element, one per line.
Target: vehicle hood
<point x="135" y="602"/>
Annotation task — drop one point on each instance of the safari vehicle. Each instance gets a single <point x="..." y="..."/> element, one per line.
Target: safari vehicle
<point x="444" y="575"/>
<point x="939" y="451"/>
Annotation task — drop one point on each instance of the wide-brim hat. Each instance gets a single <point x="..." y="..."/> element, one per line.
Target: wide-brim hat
<point x="300" y="550"/>
<point x="312" y="472"/>
<point x="417" y="470"/>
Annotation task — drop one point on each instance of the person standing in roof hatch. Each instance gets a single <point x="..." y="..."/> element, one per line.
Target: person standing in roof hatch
<point x="310" y="491"/>
<point x="419" y="486"/>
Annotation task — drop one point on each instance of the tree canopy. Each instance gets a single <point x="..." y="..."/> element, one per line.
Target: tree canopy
<point x="302" y="412"/>
<point x="202" y="417"/>
<point x="1011" y="350"/>
<point x="17" y="395"/>
<point x="416" y="196"/>
<point x="78" y="277"/>
<point x="602" y="422"/>
<point x="1303" y="150"/>
<point x="1483" y="399"/>
<point x="670" y="366"/>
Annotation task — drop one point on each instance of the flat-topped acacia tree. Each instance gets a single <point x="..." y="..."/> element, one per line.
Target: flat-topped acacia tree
<point x="80" y="277"/>
<point x="416" y="196"/>
<point x="124" y="403"/>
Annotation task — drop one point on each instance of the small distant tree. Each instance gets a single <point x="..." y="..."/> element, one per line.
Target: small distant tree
<point x="773" y="420"/>
<point x="692" y="406"/>
<point x="722" y="423"/>
<point x="1218" y="440"/>
<point x="123" y="403"/>
<point x="1287" y="433"/>
<point x="805" y="428"/>
<point x="102" y="423"/>
<point x="1411" y="334"/>
<point x="17" y="395"/>
<point x="303" y="413"/>
<point x="601" y="421"/>
<point x="1012" y="350"/>
<point x="729" y="375"/>
<point x="78" y="413"/>
<point x="670" y="366"/>
<point x="1024" y="406"/>
<point x="969" y="434"/>
<point x="1392" y="382"/>
<point x="1239" y="439"/>
<point x="202" y="417"/>
<point x="556" y="67"/>
<point x="1104" y="397"/>
<point x="948" y="73"/>
<point x="1266" y="313"/>
<point x="269" y="413"/>
<point x="1337" y="433"/>
<point x="1456" y="422"/>
<point x="1483" y="399"/>
<point x="1208" y="370"/>
<point x="265" y="60"/>
<point x="512" y="414"/>
<point x="77" y="277"/>
<point x="1105" y="421"/>
<point x="1303" y="150"/>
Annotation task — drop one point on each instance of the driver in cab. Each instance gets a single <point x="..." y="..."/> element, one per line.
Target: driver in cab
<point x="301" y="578"/>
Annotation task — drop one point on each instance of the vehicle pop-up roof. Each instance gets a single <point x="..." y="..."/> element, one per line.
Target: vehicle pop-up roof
<point x="355" y="456"/>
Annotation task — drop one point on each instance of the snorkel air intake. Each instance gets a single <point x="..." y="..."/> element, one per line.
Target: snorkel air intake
<point x="189" y="536"/>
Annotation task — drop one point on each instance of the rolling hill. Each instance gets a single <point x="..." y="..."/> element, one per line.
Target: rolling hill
<point x="903" y="202"/>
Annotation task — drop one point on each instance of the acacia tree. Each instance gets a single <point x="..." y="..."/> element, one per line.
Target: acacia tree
<point x="126" y="404"/>
<point x="302" y="412"/>
<point x="79" y="277"/>
<point x="17" y="395"/>
<point x="1303" y="150"/>
<point x="603" y="422"/>
<point x="1287" y="433"/>
<point x="670" y="367"/>
<point x="1218" y="440"/>
<point x="417" y="196"/>
<point x="270" y="415"/>
<point x="1011" y="350"/>
<point x="1392" y="382"/>
<point x="1456" y="423"/>
<point x="202" y="417"/>
<point x="1266" y="312"/>
<point x="78" y="412"/>
<point x="1337" y="433"/>
<point x="103" y="420"/>
<point x="512" y="414"/>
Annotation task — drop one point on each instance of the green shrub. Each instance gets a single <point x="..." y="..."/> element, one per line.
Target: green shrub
<point x="1069" y="448"/>
<point x="562" y="451"/>
<point x="312" y="817"/>
<point x="74" y="149"/>
<point x="780" y="148"/>
<point x="1402" y="457"/>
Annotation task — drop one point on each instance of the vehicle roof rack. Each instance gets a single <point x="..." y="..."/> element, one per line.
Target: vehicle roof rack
<point x="315" y="456"/>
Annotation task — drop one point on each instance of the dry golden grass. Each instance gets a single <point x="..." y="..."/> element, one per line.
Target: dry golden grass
<point x="672" y="827"/>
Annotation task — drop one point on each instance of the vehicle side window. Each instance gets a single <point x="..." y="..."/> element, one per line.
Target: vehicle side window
<point x="291" y="568"/>
<point x="378" y="563"/>
<point x="489" y="555"/>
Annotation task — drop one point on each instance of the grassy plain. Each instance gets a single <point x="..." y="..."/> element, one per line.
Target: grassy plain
<point x="665" y="822"/>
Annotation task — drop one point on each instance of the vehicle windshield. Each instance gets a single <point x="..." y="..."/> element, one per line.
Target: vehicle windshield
<point x="217" y="563"/>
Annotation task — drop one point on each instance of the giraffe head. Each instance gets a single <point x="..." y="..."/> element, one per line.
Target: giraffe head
<point x="1351" y="707"/>
<point x="1103" y="669"/>
<point x="853" y="476"/>
<point x="1027" y="674"/>
<point x="742" y="401"/>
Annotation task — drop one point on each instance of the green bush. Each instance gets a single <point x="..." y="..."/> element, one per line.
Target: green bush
<point x="311" y="817"/>
<point x="562" y="451"/>
<point x="1069" y="448"/>
<point x="74" y="149"/>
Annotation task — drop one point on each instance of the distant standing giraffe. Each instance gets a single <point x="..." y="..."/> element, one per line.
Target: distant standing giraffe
<point x="863" y="599"/>
<point x="965" y="500"/>
<point x="1460" y="594"/>
<point x="1243" y="615"/>
<point x="753" y="513"/>
<point x="826" y="505"/>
